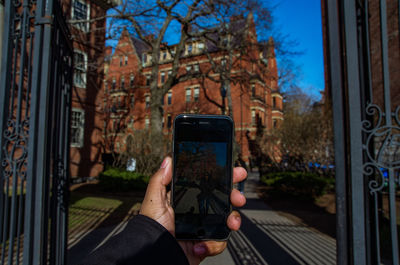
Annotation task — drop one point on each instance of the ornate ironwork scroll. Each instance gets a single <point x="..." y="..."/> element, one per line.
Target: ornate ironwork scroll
<point x="363" y="47"/>
<point x="35" y="99"/>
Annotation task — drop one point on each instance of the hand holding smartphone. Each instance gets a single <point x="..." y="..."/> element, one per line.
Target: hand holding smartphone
<point x="202" y="176"/>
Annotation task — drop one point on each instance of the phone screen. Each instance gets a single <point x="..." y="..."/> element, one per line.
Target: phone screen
<point x="202" y="176"/>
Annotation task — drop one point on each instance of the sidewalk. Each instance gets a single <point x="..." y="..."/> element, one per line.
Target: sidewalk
<point x="268" y="238"/>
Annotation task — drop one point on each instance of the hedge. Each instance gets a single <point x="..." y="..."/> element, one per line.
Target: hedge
<point x="115" y="180"/>
<point x="302" y="185"/>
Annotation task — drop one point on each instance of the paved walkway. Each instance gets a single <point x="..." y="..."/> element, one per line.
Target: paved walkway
<point x="268" y="238"/>
<point x="264" y="238"/>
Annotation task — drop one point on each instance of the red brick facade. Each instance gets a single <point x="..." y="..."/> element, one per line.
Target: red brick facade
<point x="257" y="101"/>
<point x="87" y="119"/>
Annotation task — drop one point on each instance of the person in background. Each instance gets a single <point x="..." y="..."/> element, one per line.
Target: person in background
<point x="149" y="237"/>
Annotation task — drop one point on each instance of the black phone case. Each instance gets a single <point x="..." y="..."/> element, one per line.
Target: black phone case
<point x="203" y="116"/>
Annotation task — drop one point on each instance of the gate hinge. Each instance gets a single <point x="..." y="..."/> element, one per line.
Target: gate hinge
<point x="46" y="20"/>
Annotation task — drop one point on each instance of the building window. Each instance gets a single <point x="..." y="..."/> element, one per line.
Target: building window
<point x="122" y="82"/>
<point x="274" y="102"/>
<point x="253" y="90"/>
<point x="120" y="61"/>
<point x="126" y="59"/>
<point x="77" y="127"/>
<point x="146" y="122"/>
<point x="253" y="117"/>
<point x="81" y="11"/>
<point x="188" y="94"/>
<point x="190" y="48"/>
<point x="147" y="100"/>
<point x="144" y="58"/>
<point x="132" y="101"/>
<point x="169" y="98"/>
<point x="201" y="46"/>
<point x="164" y="55"/>
<point x="131" y="80"/>
<point x="114" y="84"/>
<point x="131" y="122"/>
<point x="188" y="68"/>
<point x="80" y="67"/>
<point x="223" y="62"/>
<point x="162" y="77"/>
<point x="169" y="73"/>
<point x="147" y="80"/>
<point x="169" y="121"/>
<point x="196" y="68"/>
<point x="196" y="93"/>
<point x="275" y="123"/>
<point x="225" y="41"/>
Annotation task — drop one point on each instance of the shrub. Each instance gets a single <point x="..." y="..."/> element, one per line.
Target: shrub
<point x="302" y="185"/>
<point x="115" y="179"/>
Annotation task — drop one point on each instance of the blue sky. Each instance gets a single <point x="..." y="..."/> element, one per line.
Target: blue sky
<point x="301" y="21"/>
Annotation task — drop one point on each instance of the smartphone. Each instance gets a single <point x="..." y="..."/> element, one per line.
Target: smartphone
<point x="202" y="176"/>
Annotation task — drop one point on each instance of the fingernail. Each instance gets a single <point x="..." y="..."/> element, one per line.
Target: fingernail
<point x="164" y="163"/>
<point x="200" y="250"/>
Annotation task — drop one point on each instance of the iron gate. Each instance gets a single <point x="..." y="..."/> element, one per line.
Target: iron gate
<point x="35" y="100"/>
<point x="364" y="73"/>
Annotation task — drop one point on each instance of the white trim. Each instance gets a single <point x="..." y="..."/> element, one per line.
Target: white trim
<point x="76" y="25"/>
<point x="85" y="67"/>
<point x="81" y="126"/>
<point x="257" y="108"/>
<point x="276" y="94"/>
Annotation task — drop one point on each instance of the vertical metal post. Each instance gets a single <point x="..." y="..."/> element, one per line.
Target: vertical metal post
<point x="336" y="79"/>
<point x="388" y="121"/>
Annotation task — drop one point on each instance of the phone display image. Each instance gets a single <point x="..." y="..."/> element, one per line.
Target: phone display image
<point x="202" y="181"/>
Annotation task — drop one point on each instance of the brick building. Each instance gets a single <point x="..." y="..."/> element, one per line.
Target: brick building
<point x="89" y="52"/>
<point x="256" y="102"/>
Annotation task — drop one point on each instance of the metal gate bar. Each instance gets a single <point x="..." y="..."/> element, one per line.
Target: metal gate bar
<point x="35" y="102"/>
<point x="366" y="135"/>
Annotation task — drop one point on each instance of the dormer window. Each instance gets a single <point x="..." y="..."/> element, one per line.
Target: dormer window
<point x="144" y="58"/>
<point x="190" y="48"/>
<point x="201" y="46"/>
<point x="164" y="55"/>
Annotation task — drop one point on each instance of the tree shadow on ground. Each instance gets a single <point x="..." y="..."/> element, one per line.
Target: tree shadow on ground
<point x="101" y="222"/>
<point x="319" y="215"/>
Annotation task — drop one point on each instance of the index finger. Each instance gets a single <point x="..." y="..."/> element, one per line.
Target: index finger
<point x="239" y="174"/>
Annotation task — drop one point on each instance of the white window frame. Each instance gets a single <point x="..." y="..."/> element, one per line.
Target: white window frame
<point x="196" y="94"/>
<point x="78" y="25"/>
<point x="81" y="126"/>
<point x="188" y="95"/>
<point x="162" y="77"/>
<point x="131" y="80"/>
<point x="201" y="46"/>
<point x="169" y="98"/>
<point x="84" y="69"/>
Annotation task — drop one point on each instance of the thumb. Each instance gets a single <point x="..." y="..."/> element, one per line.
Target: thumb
<point x="156" y="193"/>
<point x="164" y="175"/>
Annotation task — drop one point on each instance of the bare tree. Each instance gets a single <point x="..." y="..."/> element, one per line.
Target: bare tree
<point x="305" y="135"/>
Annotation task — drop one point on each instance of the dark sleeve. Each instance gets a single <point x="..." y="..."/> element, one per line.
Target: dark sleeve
<point x="143" y="241"/>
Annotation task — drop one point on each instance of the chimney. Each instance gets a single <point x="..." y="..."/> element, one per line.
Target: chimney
<point x="108" y="51"/>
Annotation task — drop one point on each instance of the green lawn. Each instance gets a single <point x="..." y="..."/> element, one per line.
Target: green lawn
<point x="91" y="209"/>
